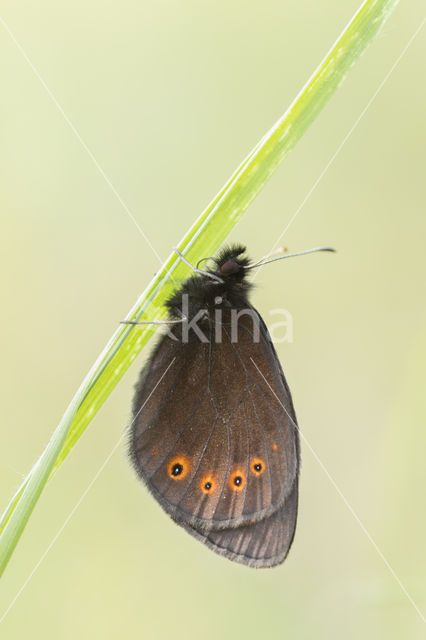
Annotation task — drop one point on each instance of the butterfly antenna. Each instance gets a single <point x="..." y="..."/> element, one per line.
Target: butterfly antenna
<point x="268" y="255"/>
<point x="262" y="262"/>
<point x="200" y="271"/>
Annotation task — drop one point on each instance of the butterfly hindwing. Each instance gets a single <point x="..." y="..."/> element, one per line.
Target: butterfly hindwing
<point x="262" y="544"/>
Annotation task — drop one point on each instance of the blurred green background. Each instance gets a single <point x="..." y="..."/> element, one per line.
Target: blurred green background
<point x="170" y="97"/>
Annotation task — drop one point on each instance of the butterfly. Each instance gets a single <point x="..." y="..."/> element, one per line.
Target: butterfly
<point x="214" y="434"/>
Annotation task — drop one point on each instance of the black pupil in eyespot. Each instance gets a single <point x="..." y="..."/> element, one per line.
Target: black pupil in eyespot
<point x="238" y="480"/>
<point x="208" y="486"/>
<point x="177" y="469"/>
<point x="258" y="466"/>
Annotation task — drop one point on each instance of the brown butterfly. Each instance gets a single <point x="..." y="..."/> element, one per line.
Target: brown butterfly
<point x="214" y="433"/>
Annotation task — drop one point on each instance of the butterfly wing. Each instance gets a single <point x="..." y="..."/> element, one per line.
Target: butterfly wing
<point x="262" y="544"/>
<point x="214" y="433"/>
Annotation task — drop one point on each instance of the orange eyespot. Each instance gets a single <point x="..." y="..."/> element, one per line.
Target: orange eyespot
<point x="155" y="452"/>
<point x="208" y="484"/>
<point x="237" y="480"/>
<point x="257" y="466"/>
<point x="178" y="467"/>
<point x="275" y="447"/>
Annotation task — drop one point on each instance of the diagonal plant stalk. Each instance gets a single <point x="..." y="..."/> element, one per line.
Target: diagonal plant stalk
<point x="202" y="239"/>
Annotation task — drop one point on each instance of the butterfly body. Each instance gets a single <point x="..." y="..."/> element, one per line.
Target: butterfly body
<point x="215" y="438"/>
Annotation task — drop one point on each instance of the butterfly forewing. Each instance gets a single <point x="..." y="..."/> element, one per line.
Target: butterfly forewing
<point x="215" y="442"/>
